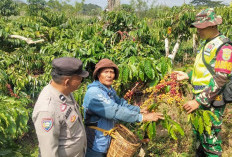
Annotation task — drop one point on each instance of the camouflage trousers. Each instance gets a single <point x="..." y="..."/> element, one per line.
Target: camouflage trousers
<point x="211" y="144"/>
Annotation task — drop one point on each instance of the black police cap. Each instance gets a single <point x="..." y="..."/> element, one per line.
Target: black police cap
<point x="69" y="66"/>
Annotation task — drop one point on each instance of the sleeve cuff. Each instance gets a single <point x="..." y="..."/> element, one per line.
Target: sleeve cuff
<point x="140" y="118"/>
<point x="201" y="103"/>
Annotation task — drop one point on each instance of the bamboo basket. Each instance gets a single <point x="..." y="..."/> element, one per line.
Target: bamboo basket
<point x="123" y="143"/>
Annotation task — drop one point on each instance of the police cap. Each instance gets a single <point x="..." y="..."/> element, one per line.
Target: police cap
<point x="68" y="66"/>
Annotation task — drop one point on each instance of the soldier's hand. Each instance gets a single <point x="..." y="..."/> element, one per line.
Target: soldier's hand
<point x="191" y="105"/>
<point x="152" y="116"/>
<point x="181" y="75"/>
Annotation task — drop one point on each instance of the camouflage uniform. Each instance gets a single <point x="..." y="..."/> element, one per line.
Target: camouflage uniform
<point x="207" y="87"/>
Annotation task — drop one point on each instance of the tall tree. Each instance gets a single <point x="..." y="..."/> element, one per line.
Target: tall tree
<point x="34" y="6"/>
<point x="209" y="3"/>
<point x="91" y="9"/>
<point x="8" y="8"/>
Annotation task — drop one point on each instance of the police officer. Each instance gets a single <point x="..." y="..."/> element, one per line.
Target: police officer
<point x="56" y="116"/>
<point x="214" y="53"/>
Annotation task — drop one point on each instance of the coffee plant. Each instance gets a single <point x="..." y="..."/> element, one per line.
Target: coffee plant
<point x="170" y="92"/>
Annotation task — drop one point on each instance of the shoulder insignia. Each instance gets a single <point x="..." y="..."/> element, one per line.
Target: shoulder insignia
<point x="47" y="124"/>
<point x="62" y="98"/>
<point x="68" y="112"/>
<point x="63" y="107"/>
<point x="73" y="118"/>
<point x="226" y="54"/>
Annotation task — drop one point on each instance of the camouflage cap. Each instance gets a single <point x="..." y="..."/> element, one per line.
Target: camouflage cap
<point x="206" y="18"/>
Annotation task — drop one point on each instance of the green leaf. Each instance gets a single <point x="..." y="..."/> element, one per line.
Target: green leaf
<point x="134" y="70"/>
<point x="213" y="115"/>
<point x="206" y="118"/>
<point x="201" y="125"/>
<point x="151" y="107"/>
<point x="167" y="88"/>
<point x="139" y="134"/>
<point x="149" y="70"/>
<point x="154" y="129"/>
<point x="141" y="73"/>
<point x="125" y="74"/>
<point x="150" y="131"/>
<point x="172" y="133"/>
<point x="194" y="120"/>
<point x="179" y="129"/>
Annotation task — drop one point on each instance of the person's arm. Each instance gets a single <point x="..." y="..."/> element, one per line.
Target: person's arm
<point x="47" y="129"/>
<point x="124" y="103"/>
<point x="207" y="96"/>
<point x="223" y="67"/>
<point x="107" y="108"/>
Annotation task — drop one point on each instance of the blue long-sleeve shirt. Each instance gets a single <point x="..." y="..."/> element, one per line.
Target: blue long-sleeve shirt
<point x="102" y="107"/>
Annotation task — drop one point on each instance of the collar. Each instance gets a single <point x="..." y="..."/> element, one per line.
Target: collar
<point x="208" y="40"/>
<point x="57" y="94"/>
<point x="98" y="84"/>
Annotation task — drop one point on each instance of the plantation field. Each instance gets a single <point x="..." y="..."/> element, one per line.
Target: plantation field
<point x="138" y="42"/>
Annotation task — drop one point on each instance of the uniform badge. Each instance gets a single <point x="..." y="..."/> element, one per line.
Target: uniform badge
<point x="47" y="124"/>
<point x="226" y="54"/>
<point x="209" y="47"/>
<point x="63" y="107"/>
<point x="73" y="118"/>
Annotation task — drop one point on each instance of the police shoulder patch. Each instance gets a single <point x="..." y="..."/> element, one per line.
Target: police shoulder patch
<point x="47" y="124"/>
<point x="226" y="54"/>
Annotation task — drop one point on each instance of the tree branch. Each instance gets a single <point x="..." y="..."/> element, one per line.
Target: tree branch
<point x="28" y="40"/>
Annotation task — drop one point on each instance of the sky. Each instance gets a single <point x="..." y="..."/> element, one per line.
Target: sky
<point x="170" y="3"/>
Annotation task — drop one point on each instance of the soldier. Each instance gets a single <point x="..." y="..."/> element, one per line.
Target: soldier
<point x="214" y="53"/>
<point x="56" y="116"/>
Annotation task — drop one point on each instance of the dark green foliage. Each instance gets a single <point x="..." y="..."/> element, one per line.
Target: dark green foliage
<point x="127" y="8"/>
<point x="8" y="8"/>
<point x="207" y="3"/>
<point x="35" y="6"/>
<point x="91" y="9"/>
<point x="13" y="121"/>
<point x="201" y="120"/>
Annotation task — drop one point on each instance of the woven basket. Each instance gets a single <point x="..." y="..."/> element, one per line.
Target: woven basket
<point x="123" y="144"/>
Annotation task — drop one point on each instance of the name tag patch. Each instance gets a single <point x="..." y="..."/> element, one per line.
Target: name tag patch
<point x="68" y="112"/>
<point x="47" y="124"/>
